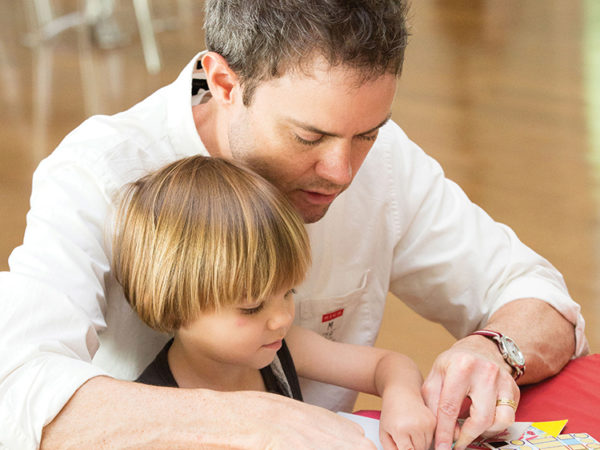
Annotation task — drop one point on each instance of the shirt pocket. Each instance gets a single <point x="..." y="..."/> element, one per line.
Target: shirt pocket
<point x="343" y="318"/>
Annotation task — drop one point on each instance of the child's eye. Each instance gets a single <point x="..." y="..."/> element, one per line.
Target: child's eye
<point x="250" y="311"/>
<point x="290" y="292"/>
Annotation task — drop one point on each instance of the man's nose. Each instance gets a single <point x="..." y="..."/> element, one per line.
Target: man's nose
<point x="335" y="164"/>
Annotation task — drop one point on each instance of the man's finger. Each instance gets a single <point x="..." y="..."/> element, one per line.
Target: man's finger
<point x="454" y="391"/>
<point x="482" y="413"/>
<point x="505" y="409"/>
<point x="483" y="394"/>
<point x="431" y="390"/>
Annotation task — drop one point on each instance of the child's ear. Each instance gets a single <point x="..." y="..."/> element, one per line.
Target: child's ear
<point x="222" y="81"/>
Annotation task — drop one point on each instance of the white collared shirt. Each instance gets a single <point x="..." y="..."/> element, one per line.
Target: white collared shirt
<point x="400" y="227"/>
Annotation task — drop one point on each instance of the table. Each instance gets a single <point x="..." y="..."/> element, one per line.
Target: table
<point x="573" y="394"/>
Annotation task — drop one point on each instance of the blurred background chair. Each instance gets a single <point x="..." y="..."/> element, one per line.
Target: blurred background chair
<point x="100" y="19"/>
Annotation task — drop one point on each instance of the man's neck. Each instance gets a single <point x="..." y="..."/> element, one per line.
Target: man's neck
<point x="210" y="127"/>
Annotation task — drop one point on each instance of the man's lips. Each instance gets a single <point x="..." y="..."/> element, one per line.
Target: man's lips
<point x="318" y="198"/>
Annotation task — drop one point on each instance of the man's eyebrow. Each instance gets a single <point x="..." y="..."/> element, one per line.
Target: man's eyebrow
<point x="383" y="122"/>
<point x="316" y="130"/>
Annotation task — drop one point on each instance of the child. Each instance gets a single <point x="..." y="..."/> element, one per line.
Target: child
<point x="209" y="251"/>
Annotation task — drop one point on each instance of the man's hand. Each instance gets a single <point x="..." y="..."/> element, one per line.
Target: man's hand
<point x="107" y="413"/>
<point x="469" y="378"/>
<point x="472" y="375"/>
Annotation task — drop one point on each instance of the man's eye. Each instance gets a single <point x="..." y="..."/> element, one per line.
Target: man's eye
<point x="368" y="138"/>
<point x="307" y="142"/>
<point x="250" y="311"/>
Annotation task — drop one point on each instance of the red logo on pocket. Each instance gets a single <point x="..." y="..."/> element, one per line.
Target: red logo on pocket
<point x="332" y="315"/>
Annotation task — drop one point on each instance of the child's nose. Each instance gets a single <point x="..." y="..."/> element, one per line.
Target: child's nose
<point x="282" y="317"/>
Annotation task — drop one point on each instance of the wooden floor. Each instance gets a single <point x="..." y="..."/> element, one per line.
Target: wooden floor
<point x="504" y="93"/>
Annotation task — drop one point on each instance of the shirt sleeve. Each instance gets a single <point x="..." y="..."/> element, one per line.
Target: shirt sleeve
<point x="52" y="301"/>
<point x="452" y="263"/>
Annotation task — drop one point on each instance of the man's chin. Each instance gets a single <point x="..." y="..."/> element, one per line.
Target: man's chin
<point x="312" y="214"/>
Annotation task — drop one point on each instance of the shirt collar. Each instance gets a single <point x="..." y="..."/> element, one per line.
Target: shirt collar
<point x="181" y="127"/>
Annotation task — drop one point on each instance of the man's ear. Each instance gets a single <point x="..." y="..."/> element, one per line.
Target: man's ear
<point x="222" y="80"/>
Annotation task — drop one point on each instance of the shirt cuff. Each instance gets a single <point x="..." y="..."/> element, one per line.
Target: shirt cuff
<point x="556" y="296"/>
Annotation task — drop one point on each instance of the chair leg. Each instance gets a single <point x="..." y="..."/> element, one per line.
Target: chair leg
<point x="43" y="25"/>
<point x="43" y="12"/>
<point x="147" y="36"/>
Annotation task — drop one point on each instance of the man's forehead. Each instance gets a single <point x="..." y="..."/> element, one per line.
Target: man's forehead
<point x="329" y="101"/>
<point x="318" y="68"/>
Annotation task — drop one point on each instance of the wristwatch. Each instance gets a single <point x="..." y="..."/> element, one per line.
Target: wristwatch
<point x="510" y="351"/>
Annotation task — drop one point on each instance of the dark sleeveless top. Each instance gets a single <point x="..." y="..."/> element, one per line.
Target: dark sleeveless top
<point x="280" y="376"/>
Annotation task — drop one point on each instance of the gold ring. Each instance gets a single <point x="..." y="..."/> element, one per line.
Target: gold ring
<point x="507" y="402"/>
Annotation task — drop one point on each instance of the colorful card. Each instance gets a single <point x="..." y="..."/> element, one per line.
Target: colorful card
<point x="537" y="435"/>
<point x="519" y="436"/>
<point x="572" y="441"/>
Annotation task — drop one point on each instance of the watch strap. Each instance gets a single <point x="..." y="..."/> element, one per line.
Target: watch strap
<point x="487" y="333"/>
<point x="497" y="338"/>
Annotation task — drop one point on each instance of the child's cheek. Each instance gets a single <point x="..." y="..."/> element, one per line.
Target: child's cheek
<point x="241" y="322"/>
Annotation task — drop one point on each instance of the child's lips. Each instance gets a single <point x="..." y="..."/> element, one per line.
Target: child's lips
<point x="276" y="345"/>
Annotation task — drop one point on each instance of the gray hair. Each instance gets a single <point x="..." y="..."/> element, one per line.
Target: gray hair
<point x="262" y="39"/>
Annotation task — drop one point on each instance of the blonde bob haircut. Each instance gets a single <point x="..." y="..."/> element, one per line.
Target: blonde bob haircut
<point x="203" y="233"/>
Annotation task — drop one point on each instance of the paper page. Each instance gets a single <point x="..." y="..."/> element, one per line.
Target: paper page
<point x="371" y="427"/>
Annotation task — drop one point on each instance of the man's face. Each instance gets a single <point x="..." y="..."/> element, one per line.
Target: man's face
<point x="309" y="135"/>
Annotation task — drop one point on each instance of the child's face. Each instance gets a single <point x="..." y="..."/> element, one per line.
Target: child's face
<point x="247" y="334"/>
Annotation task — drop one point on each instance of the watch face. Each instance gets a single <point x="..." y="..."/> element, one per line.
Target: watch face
<point x="513" y="352"/>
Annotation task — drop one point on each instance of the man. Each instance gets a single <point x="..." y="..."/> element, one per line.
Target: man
<point x="301" y="92"/>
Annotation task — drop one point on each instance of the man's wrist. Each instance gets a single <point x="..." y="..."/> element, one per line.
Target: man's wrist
<point x="489" y="349"/>
<point x="508" y="349"/>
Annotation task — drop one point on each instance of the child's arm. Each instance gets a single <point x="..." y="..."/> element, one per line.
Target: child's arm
<point x="405" y="420"/>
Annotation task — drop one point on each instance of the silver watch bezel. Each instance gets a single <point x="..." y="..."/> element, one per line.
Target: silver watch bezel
<point x="509" y="350"/>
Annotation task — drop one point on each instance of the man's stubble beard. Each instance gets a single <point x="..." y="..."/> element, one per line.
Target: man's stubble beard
<point x="242" y="150"/>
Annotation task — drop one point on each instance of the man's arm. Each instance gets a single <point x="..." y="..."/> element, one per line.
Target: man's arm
<point x="108" y="413"/>
<point x="475" y="368"/>
<point x="55" y="306"/>
<point x="453" y="264"/>
<point x="545" y="337"/>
